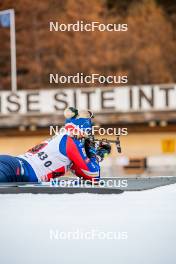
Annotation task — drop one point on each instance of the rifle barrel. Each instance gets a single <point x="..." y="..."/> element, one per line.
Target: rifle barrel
<point x="108" y="140"/>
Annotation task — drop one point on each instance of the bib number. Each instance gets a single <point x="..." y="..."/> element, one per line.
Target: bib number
<point x="43" y="156"/>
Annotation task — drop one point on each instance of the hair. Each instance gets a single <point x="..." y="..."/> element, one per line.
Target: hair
<point x="71" y="112"/>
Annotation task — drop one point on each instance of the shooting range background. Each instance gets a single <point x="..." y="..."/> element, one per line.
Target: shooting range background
<point x="146" y="53"/>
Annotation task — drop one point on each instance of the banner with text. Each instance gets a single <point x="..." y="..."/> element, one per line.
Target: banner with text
<point x="111" y="99"/>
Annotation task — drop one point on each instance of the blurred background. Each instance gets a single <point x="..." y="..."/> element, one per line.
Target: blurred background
<point x="145" y="53"/>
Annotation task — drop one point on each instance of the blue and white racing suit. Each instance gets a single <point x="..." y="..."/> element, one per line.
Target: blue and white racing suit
<point x="50" y="159"/>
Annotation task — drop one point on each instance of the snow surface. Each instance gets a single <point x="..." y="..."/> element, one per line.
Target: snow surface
<point x="148" y="218"/>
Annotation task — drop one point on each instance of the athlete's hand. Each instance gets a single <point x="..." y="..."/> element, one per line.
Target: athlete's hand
<point x="90" y="148"/>
<point x="104" y="149"/>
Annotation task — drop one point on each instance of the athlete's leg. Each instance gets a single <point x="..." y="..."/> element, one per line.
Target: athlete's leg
<point x="10" y="169"/>
<point x="7" y="168"/>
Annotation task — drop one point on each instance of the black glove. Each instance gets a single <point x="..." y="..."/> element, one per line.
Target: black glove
<point x="103" y="150"/>
<point x="89" y="148"/>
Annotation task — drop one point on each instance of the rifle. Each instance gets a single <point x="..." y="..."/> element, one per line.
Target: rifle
<point x="94" y="140"/>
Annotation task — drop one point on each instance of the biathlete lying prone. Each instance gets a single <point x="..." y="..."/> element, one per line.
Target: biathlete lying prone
<point x="55" y="156"/>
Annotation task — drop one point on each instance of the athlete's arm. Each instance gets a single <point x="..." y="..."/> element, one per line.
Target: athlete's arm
<point x="83" y="166"/>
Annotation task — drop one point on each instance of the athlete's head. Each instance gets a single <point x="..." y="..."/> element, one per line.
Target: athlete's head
<point x="78" y="122"/>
